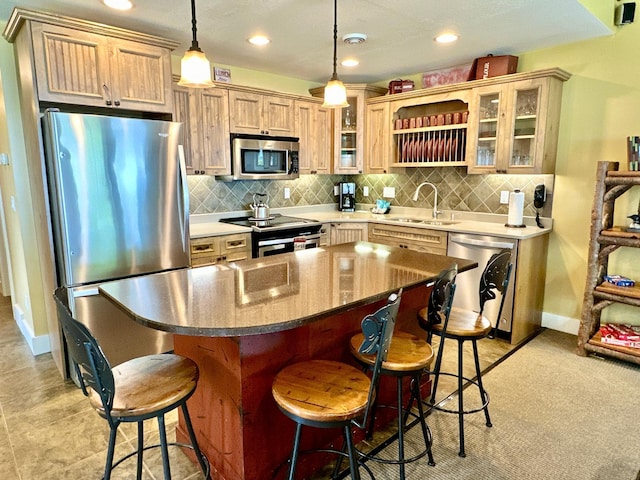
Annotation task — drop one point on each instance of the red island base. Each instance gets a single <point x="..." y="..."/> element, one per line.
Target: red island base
<point x="237" y="422"/>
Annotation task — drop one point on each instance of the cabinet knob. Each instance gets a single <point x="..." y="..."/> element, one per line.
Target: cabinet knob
<point x="117" y="103"/>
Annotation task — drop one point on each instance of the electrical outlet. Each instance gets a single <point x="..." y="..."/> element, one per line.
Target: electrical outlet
<point x="4" y="159"/>
<point x="389" y="192"/>
<point x="287" y="193"/>
<point x="336" y="190"/>
<point x="504" y="197"/>
<point x="365" y="191"/>
<point x="13" y="203"/>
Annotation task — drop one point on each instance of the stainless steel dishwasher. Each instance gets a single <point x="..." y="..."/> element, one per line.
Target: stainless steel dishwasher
<point x="480" y="248"/>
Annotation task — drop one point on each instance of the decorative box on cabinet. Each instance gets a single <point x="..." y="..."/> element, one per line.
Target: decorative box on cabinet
<point x="606" y="239"/>
<point x="260" y="114"/>
<point x="205" y="117"/>
<point x="348" y="128"/>
<point x="514" y="126"/>
<point x="84" y="63"/>
<point x="313" y="128"/>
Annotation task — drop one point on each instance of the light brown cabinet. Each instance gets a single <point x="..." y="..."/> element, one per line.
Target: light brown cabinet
<point x="348" y="127"/>
<point x="419" y="239"/>
<point x="514" y="127"/>
<point x="260" y="114"/>
<point x="205" y="117"/>
<point x="220" y="249"/>
<point x="84" y="68"/>
<point x="313" y="128"/>
<point x="376" y="137"/>
<point x="346" y="232"/>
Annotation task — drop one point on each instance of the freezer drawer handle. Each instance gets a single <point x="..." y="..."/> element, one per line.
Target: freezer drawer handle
<point x="480" y="243"/>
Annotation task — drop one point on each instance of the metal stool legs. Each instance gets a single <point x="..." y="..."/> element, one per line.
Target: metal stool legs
<point x="461" y="412"/>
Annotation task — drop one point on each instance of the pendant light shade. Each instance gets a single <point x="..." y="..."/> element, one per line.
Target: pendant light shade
<point x="335" y="95"/>
<point x="195" y="70"/>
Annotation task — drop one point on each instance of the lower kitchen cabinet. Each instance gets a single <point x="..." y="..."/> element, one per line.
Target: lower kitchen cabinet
<point x="325" y="235"/>
<point x="419" y="239"/>
<point x="348" y="232"/>
<point x="221" y="249"/>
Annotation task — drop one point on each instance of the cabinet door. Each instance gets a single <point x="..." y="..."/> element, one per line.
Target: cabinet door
<point x="140" y="76"/>
<point x="304" y="128"/>
<point x="277" y="116"/>
<point x="348" y="232"/>
<point x="185" y="111"/>
<point x="348" y="136"/>
<point x="313" y="128"/>
<point x="245" y="112"/>
<point x="71" y="66"/>
<point x="487" y="116"/>
<point x="214" y="118"/>
<point x="377" y="138"/>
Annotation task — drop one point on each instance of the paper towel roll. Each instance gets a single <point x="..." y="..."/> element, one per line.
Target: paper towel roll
<point x="516" y="209"/>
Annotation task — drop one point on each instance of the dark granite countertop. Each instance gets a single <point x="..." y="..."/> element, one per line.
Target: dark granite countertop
<point x="276" y="293"/>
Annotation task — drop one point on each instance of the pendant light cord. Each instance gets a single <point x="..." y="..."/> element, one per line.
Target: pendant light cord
<point x="194" y="42"/>
<point x="335" y="40"/>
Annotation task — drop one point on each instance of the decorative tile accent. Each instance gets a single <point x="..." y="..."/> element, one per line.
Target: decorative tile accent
<point x="456" y="190"/>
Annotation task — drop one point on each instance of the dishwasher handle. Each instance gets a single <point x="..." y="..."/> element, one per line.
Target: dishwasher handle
<point x="462" y="240"/>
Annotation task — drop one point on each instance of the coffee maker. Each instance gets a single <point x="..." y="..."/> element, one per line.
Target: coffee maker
<point x="347" y="197"/>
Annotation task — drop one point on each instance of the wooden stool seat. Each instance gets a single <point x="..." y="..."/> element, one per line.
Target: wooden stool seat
<point x="462" y="324"/>
<point x="147" y="385"/>
<point x="407" y="353"/>
<point x="321" y="390"/>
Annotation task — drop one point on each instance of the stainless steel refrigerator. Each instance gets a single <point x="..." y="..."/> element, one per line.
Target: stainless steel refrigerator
<point x="119" y="208"/>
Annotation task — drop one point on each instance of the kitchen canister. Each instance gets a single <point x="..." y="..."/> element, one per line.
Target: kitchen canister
<point x="516" y="209"/>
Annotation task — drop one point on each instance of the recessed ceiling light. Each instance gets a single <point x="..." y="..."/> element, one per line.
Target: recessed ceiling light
<point x="259" y="40"/>
<point x="349" y="62"/>
<point x="447" y="37"/>
<point x="354" y="38"/>
<point x="118" y="4"/>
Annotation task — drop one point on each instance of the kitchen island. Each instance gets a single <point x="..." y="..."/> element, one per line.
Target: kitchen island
<point x="244" y="322"/>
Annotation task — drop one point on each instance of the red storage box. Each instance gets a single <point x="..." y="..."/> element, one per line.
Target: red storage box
<point x="399" y="86"/>
<point x="490" y="66"/>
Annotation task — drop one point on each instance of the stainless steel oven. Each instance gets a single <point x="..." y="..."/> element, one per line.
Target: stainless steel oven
<point x="288" y="243"/>
<point x="279" y="234"/>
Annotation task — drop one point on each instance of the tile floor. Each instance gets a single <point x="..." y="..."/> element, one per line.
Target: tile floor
<point x="48" y="430"/>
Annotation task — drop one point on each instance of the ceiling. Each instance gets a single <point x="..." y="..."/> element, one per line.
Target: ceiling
<point x="400" y="33"/>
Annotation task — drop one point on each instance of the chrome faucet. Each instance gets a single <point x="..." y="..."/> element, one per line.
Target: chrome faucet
<point x="435" y="197"/>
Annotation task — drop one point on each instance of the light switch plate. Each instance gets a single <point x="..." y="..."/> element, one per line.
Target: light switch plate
<point x="287" y="193"/>
<point x="365" y="191"/>
<point x="336" y="190"/>
<point x="389" y="192"/>
<point x="504" y="197"/>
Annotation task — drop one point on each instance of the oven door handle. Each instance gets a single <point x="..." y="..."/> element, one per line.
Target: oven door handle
<point x="276" y="241"/>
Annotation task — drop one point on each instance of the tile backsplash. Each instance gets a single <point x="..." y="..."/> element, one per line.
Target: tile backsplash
<point x="456" y="190"/>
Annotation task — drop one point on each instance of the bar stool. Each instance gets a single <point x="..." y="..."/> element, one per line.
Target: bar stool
<point x="409" y="356"/>
<point x="329" y="394"/>
<point x="466" y="325"/>
<point x="134" y="391"/>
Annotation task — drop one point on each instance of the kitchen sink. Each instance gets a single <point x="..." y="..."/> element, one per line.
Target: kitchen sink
<point x="423" y="221"/>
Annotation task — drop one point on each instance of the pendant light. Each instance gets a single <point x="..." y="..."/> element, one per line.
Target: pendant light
<point x="335" y="95"/>
<point x="195" y="70"/>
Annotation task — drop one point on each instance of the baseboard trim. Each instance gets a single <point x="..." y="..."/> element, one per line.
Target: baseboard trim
<point x="38" y="344"/>
<point x="560" y="323"/>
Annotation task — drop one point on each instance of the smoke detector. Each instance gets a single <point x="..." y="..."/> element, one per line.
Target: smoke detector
<point x="354" y="38"/>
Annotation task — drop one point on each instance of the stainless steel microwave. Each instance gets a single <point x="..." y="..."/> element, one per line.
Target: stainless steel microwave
<point x="260" y="157"/>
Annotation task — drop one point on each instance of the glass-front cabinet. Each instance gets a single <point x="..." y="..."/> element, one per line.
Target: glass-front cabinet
<point x="510" y="128"/>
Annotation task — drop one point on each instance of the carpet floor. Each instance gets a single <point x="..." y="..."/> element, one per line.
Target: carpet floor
<point x="555" y="415"/>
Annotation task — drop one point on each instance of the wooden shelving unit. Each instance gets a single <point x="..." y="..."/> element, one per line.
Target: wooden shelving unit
<point x="606" y="239"/>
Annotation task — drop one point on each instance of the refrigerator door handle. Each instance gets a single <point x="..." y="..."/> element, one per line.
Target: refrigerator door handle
<point x="182" y="190"/>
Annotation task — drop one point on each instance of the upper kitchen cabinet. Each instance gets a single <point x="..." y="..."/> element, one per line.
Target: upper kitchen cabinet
<point x="85" y="63"/>
<point x="376" y="137"/>
<point x="261" y="113"/>
<point x="349" y="126"/>
<point x="513" y="126"/>
<point x="205" y="116"/>
<point x="313" y="128"/>
<point x="429" y="130"/>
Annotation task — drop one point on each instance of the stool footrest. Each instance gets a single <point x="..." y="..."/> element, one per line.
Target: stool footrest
<point x="470" y="381"/>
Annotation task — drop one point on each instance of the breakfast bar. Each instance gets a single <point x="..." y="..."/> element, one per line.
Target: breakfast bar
<point x="243" y="322"/>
